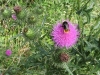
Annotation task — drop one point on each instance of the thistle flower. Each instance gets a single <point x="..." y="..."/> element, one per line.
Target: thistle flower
<point x="8" y="52"/>
<point x="65" y="34"/>
<point x="14" y="16"/>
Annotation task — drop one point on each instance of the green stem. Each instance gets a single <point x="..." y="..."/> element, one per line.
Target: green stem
<point x="67" y="68"/>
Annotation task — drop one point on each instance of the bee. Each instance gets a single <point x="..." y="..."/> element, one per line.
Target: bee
<point x="65" y="26"/>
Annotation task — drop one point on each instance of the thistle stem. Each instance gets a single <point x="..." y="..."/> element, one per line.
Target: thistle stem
<point x="67" y="68"/>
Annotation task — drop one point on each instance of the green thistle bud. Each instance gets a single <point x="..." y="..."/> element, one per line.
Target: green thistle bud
<point x="29" y="33"/>
<point x="31" y="19"/>
<point x="22" y="15"/>
<point x="6" y="13"/>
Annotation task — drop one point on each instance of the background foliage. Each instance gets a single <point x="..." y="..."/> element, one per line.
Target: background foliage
<point x="33" y="51"/>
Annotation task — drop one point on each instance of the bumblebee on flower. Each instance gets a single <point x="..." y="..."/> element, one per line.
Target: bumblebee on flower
<point x="65" y="34"/>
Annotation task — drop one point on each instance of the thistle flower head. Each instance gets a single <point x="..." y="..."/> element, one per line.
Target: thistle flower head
<point x="8" y="52"/>
<point x="65" y="34"/>
<point x="14" y="16"/>
<point x="17" y="9"/>
<point x="64" y="57"/>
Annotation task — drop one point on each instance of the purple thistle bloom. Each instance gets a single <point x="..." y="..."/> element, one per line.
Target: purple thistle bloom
<point x="8" y="52"/>
<point x="65" y="34"/>
<point x="14" y="16"/>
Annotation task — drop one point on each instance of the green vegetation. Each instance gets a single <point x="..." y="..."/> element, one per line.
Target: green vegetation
<point x="28" y="36"/>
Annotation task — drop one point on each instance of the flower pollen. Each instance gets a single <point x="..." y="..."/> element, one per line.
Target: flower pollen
<point x="66" y="30"/>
